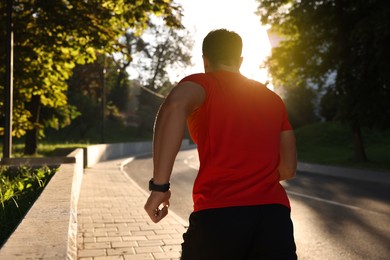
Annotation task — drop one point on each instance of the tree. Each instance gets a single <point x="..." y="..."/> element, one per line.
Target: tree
<point x="346" y="38"/>
<point x="161" y="50"/>
<point x="166" y="49"/>
<point x="51" y="37"/>
<point x="329" y="104"/>
<point x="85" y="91"/>
<point x="88" y="86"/>
<point x="300" y="104"/>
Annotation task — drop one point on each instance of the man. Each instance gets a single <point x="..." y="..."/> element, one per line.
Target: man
<point x="246" y="147"/>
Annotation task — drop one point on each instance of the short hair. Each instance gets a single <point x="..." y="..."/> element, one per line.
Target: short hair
<point x="222" y="47"/>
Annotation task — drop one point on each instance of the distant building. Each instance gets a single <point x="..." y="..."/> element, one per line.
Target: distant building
<point x="274" y="38"/>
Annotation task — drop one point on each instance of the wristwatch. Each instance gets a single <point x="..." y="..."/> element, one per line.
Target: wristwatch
<point x="158" y="187"/>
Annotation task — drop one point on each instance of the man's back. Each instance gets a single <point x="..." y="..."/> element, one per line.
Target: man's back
<point x="237" y="130"/>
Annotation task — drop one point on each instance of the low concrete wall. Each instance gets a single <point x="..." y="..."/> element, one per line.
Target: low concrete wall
<point x="49" y="229"/>
<point x="74" y="199"/>
<point x="103" y="152"/>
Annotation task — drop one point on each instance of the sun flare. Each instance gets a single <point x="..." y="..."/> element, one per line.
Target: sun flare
<point x="202" y="16"/>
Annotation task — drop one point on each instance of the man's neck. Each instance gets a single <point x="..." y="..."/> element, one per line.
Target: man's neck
<point x="230" y="68"/>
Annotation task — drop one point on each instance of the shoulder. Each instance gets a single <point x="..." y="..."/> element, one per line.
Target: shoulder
<point x="203" y="80"/>
<point x="200" y="78"/>
<point x="188" y="93"/>
<point x="263" y="88"/>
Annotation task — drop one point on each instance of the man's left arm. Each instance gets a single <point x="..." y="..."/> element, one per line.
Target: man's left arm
<point x="168" y="135"/>
<point x="288" y="155"/>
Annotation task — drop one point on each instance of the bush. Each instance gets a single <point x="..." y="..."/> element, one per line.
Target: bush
<point x="19" y="188"/>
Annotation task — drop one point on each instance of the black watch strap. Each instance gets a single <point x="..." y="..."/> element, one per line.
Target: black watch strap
<point x="158" y="187"/>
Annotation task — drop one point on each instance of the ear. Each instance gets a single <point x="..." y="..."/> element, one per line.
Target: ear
<point x="206" y="63"/>
<point x="241" y="60"/>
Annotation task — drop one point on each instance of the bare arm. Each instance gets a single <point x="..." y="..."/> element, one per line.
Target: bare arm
<point x="288" y="156"/>
<point x="168" y="134"/>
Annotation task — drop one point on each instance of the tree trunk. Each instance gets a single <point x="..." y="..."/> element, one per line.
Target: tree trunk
<point x="359" y="150"/>
<point x="31" y="140"/>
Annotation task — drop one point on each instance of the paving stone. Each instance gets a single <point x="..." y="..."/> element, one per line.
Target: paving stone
<point x="91" y="252"/>
<point x="147" y="249"/>
<point x="167" y="255"/>
<point x="147" y="256"/>
<point x="112" y="223"/>
<point x="121" y="251"/>
<point x="98" y="245"/>
<point x="112" y="257"/>
<point x="124" y="244"/>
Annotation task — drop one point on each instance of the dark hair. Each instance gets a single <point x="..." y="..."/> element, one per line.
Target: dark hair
<point x="222" y="47"/>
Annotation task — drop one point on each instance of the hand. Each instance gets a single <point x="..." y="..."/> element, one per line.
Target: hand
<point x="157" y="205"/>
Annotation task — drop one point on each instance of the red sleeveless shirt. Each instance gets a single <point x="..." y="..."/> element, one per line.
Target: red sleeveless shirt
<point x="237" y="132"/>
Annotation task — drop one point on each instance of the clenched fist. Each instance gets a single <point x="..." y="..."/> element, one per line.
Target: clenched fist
<point x="157" y="205"/>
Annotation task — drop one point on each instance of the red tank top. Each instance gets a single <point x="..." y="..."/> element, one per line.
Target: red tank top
<point x="237" y="132"/>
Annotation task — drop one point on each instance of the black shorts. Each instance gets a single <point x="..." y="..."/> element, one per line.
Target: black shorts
<point x="240" y="233"/>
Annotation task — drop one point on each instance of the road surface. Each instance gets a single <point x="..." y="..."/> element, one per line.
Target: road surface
<point x="334" y="218"/>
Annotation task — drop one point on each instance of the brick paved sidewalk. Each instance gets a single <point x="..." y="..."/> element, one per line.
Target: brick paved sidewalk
<point x="112" y="223"/>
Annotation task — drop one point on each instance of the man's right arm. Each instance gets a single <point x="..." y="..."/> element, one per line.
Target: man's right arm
<point x="288" y="155"/>
<point x="168" y="134"/>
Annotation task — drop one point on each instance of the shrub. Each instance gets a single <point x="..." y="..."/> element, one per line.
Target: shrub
<point x="19" y="188"/>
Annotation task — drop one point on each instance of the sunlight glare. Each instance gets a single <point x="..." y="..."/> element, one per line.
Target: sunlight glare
<point x="202" y="16"/>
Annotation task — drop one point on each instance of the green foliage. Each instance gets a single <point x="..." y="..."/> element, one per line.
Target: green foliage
<point x="341" y="46"/>
<point x="338" y="45"/>
<point x="329" y="105"/>
<point x="128" y="103"/>
<point x="52" y="37"/>
<point x="169" y="49"/>
<point x="19" y="188"/>
<point x="300" y="105"/>
<point x="164" y="49"/>
<point x="16" y="183"/>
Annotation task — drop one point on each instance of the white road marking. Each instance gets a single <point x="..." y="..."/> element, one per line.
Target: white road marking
<point x="323" y="200"/>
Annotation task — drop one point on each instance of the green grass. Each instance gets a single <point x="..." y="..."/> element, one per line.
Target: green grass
<point x="51" y="149"/>
<point x="19" y="188"/>
<point x="331" y="144"/>
<point x="46" y="149"/>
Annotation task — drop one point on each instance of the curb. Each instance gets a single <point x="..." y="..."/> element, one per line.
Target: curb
<point x="349" y="173"/>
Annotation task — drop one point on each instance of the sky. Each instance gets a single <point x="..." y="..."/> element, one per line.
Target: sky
<point x="202" y="16"/>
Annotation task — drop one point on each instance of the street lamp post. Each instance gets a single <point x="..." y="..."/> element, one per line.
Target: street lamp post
<point x="103" y="101"/>
<point x="8" y="102"/>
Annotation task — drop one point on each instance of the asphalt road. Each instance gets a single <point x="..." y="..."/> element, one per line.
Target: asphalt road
<point x="334" y="218"/>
